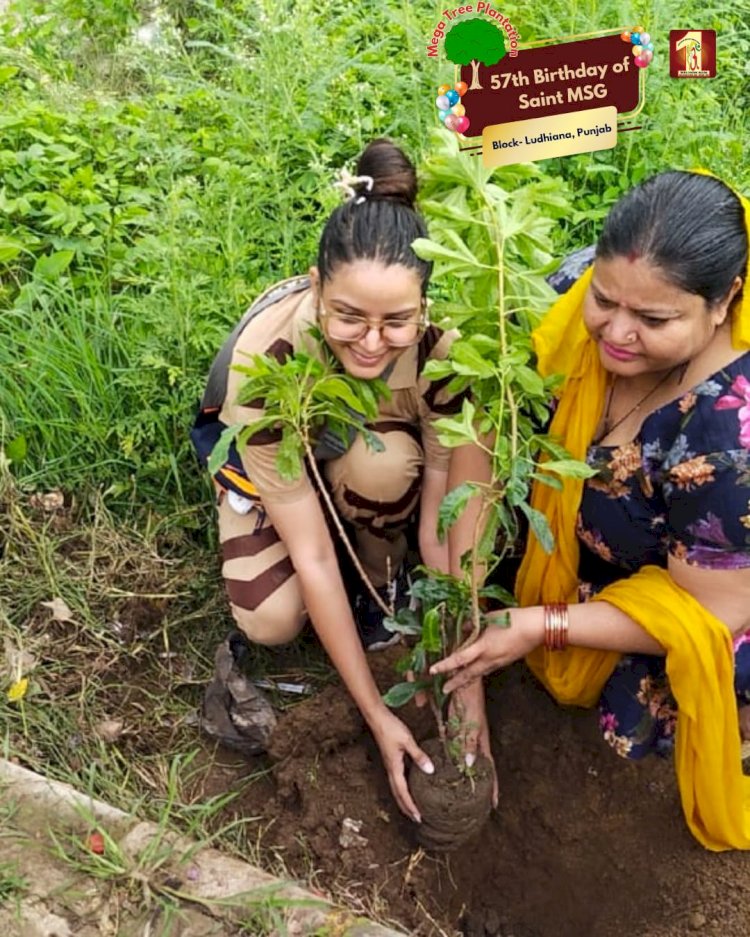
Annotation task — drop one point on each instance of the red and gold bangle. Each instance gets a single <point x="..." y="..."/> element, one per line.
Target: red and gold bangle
<point x="556" y="626"/>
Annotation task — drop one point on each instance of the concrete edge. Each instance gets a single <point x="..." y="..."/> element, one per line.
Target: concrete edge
<point x="236" y="884"/>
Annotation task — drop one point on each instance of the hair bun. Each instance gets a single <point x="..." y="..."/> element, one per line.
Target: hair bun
<point x="393" y="174"/>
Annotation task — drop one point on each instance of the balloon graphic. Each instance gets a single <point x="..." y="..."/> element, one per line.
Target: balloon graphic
<point x="647" y="55"/>
<point x="462" y="124"/>
<point x="645" y="39"/>
<point x="443" y="102"/>
<point x="635" y="38"/>
<point x="451" y="121"/>
<point x="636" y="50"/>
<point x="458" y="109"/>
<point x="461" y="87"/>
<point x="452" y="96"/>
<point x="442" y="115"/>
<point x="640" y="62"/>
<point x="649" y="47"/>
<point x="625" y="37"/>
<point x="443" y="88"/>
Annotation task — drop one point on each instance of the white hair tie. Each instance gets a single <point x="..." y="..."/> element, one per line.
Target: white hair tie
<point x="346" y="182"/>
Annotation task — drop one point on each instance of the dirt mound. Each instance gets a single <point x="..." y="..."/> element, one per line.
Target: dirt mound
<point x="583" y="842"/>
<point x="453" y="806"/>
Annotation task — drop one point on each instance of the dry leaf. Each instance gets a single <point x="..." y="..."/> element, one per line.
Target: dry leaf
<point x="60" y="610"/>
<point x="109" y="730"/>
<point x="49" y="501"/>
<point x="17" y="660"/>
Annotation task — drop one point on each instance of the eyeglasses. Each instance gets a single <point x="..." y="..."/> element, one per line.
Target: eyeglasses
<point x="398" y="333"/>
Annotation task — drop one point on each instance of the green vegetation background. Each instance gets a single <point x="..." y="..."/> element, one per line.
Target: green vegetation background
<point x="148" y="191"/>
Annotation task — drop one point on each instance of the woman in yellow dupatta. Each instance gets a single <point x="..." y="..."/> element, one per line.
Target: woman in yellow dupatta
<point x="653" y="342"/>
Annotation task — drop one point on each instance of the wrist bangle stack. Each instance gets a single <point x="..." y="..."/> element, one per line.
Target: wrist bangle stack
<point x="556" y="626"/>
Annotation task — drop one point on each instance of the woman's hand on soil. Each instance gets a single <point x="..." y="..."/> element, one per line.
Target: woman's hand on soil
<point x="498" y="646"/>
<point x="395" y="741"/>
<point x="467" y="705"/>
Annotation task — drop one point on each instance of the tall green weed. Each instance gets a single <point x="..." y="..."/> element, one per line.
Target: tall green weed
<point x="149" y="190"/>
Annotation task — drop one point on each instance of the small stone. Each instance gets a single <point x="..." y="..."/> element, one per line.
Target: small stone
<point x="697" y="920"/>
<point x="349" y="837"/>
<point x="48" y="501"/>
<point x="109" y="730"/>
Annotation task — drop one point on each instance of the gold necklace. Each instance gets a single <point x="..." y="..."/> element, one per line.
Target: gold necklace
<point x="608" y="427"/>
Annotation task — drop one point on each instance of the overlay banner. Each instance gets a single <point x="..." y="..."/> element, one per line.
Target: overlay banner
<point x="523" y="141"/>
<point x="553" y="79"/>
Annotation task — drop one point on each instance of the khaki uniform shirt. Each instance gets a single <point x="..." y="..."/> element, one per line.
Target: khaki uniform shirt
<point x="283" y="328"/>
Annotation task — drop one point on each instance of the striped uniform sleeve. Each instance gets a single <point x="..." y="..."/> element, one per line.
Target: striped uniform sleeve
<point x="435" y="401"/>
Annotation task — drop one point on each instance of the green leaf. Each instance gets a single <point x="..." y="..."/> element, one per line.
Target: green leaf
<point x="432" y="640"/>
<point x="499" y="593"/>
<point x="568" y="468"/>
<point x="220" y="452"/>
<point x="551" y="481"/>
<point x="437" y="368"/>
<point x="372" y="441"/>
<point x="405" y="621"/>
<point x="49" y="266"/>
<point x="337" y="387"/>
<point x="458" y="259"/>
<point x="530" y="381"/>
<point x="540" y="527"/>
<point x="289" y="456"/>
<point x="9" y="249"/>
<point x="16" y="449"/>
<point x="469" y="361"/>
<point x="401" y="693"/>
<point x="452" y="506"/>
<point x="458" y="432"/>
<point x="8" y="71"/>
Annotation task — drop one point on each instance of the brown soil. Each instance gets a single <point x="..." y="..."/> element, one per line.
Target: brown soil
<point x="453" y="806"/>
<point x="583" y="842"/>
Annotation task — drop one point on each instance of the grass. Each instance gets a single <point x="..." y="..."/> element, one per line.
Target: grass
<point x="146" y="615"/>
<point x="13" y="884"/>
<point x="110" y="705"/>
<point x="171" y="183"/>
<point x="88" y="873"/>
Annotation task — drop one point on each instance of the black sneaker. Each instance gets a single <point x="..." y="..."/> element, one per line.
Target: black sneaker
<point x="235" y="713"/>
<point x="368" y="615"/>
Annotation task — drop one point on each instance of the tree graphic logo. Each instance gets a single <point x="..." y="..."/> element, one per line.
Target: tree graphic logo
<point x="475" y="42"/>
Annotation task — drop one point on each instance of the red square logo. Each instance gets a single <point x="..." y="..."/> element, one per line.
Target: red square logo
<point x="692" y="53"/>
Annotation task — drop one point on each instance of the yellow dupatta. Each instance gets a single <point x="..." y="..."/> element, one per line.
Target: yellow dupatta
<point x="700" y="660"/>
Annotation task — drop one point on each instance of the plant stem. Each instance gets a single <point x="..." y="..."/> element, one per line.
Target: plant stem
<point x="340" y="527"/>
<point x="476" y="625"/>
<point x="507" y="394"/>
<point x="438" y="716"/>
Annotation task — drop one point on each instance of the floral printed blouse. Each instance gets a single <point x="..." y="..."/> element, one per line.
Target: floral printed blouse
<point x="681" y="487"/>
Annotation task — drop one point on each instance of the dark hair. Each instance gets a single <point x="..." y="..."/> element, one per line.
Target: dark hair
<point x="689" y="225"/>
<point x="384" y="224"/>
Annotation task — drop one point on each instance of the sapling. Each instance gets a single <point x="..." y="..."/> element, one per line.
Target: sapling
<point x="491" y="242"/>
<point x="307" y="398"/>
